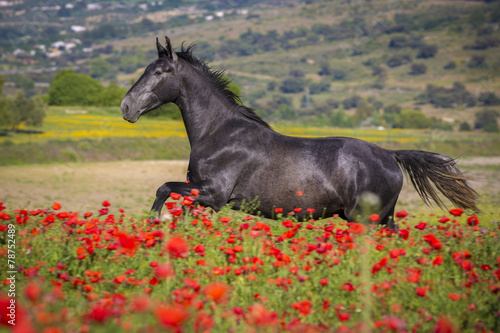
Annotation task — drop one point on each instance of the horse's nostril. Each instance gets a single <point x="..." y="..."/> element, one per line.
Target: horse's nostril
<point x="125" y="108"/>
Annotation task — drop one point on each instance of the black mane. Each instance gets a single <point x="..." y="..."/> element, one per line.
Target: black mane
<point x="221" y="82"/>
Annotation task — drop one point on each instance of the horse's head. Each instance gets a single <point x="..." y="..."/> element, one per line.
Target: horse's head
<point x="158" y="85"/>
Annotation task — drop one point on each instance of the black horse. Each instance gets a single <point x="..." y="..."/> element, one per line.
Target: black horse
<point x="237" y="157"/>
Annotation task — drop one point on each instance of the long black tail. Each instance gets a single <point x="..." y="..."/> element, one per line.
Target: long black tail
<point x="425" y="169"/>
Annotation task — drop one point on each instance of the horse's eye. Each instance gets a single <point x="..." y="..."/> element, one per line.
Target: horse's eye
<point x="158" y="72"/>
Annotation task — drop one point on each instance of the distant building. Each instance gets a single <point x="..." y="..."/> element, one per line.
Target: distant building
<point x="94" y="6"/>
<point x="78" y="28"/>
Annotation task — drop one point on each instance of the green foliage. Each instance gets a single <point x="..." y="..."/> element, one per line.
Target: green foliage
<point x="392" y="109"/>
<point x="450" y="65"/>
<point x="6" y="115"/>
<point x="340" y="119"/>
<point x="477" y="61"/>
<point x="487" y="119"/>
<point x="292" y="85"/>
<point x="111" y="95"/>
<point x="352" y="102"/>
<point x="70" y="88"/>
<point x="100" y="68"/>
<point x="2" y="82"/>
<point x="427" y="51"/>
<point x="16" y="110"/>
<point x="418" y="69"/>
<point x="398" y="60"/>
<point x="477" y="17"/>
<point x="412" y="119"/>
<point x="317" y="88"/>
<point x="465" y="127"/>
<point x="489" y="98"/>
<point x="448" y="98"/>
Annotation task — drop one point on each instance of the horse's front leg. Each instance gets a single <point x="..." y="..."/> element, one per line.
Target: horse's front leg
<point x="207" y="196"/>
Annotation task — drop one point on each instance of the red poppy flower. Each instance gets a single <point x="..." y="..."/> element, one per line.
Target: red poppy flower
<point x="456" y="211"/>
<point x="374" y="218"/>
<point x="454" y="297"/>
<point x="33" y="291"/>
<point x="421" y="291"/>
<point x="171" y="316"/>
<point x="164" y="271"/>
<point x="216" y="291"/>
<point x="56" y="206"/>
<point x="437" y="261"/>
<point x="303" y="307"/>
<point x="343" y="316"/>
<point x="402" y="214"/>
<point x="421" y="226"/>
<point x="177" y="247"/>
<point x="444" y="325"/>
<point x="259" y="316"/>
<point x="473" y="220"/>
<point x="106" y="203"/>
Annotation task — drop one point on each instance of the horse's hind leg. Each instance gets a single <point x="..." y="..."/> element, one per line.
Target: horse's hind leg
<point x="388" y="219"/>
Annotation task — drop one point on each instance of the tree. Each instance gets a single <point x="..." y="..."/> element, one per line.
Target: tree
<point x="70" y="88"/>
<point x="112" y="95"/>
<point x="477" y="61"/>
<point x="450" y="65"/>
<point x="489" y="98"/>
<point x="412" y="119"/>
<point x="392" y="109"/>
<point x="427" y="51"/>
<point x="291" y="85"/>
<point x="6" y="115"/>
<point x="2" y="81"/>
<point x="487" y="120"/>
<point x="24" y="110"/>
<point x="418" y="69"/>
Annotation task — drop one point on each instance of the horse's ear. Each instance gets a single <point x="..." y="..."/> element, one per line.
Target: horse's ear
<point x="170" y="49"/>
<point x="162" y="52"/>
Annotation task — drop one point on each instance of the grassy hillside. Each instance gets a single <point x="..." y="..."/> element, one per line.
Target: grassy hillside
<point x="357" y="42"/>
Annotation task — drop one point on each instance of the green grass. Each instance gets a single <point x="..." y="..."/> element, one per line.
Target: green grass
<point x="102" y="135"/>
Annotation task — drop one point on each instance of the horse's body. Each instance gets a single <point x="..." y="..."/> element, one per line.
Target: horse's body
<point x="237" y="157"/>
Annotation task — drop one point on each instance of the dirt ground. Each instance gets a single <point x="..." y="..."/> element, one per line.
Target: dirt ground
<point x="131" y="185"/>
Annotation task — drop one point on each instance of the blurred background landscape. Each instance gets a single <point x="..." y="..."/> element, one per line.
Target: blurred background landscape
<point x="401" y="74"/>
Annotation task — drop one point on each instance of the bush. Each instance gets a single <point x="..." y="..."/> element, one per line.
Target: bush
<point x="392" y="109"/>
<point x="339" y="74"/>
<point x="448" y="98"/>
<point x="412" y="119"/>
<point x="70" y="88"/>
<point x="317" y="88"/>
<point x="477" y="61"/>
<point x="427" y="51"/>
<point x="487" y="120"/>
<point x="450" y="65"/>
<point x="17" y="110"/>
<point x="398" y="42"/>
<point x="418" y="69"/>
<point x="352" y="102"/>
<point x="398" y="60"/>
<point x="489" y="98"/>
<point x="292" y="85"/>
<point x="465" y="127"/>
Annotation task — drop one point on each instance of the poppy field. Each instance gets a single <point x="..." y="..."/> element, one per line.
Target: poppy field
<point x="195" y="270"/>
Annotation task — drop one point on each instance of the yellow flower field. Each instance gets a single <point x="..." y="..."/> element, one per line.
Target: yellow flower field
<point x="64" y="124"/>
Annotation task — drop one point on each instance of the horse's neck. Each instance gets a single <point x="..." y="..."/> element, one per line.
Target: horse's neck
<point x="204" y="108"/>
